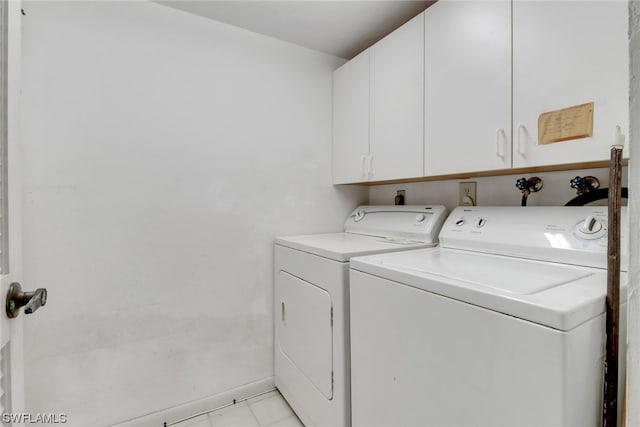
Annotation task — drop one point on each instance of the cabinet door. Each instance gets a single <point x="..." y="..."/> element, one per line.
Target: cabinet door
<point x="468" y="86"/>
<point x="397" y="97"/>
<point x="351" y="120"/>
<point x="566" y="54"/>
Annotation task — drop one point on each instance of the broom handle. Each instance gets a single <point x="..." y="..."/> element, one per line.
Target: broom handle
<point x="610" y="395"/>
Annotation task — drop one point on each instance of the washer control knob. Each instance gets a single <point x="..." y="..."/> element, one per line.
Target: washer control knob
<point x="358" y="216"/>
<point x="480" y="222"/>
<point x="459" y="222"/>
<point x="421" y="217"/>
<point x="591" y="225"/>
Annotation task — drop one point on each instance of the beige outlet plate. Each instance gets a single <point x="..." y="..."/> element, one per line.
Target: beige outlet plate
<point x="467" y="194"/>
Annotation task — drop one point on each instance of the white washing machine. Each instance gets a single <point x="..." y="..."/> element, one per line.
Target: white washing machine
<point x="312" y="303"/>
<point x="502" y="325"/>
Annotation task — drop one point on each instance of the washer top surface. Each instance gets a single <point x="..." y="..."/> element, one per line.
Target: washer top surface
<point x="555" y="295"/>
<point x="374" y="229"/>
<point x="513" y="275"/>
<point x="510" y="276"/>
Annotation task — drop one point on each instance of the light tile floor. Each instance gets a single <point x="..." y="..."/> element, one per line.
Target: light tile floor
<point x="267" y="410"/>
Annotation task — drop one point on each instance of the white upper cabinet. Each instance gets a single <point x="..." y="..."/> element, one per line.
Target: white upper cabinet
<point x="351" y="120"/>
<point x="459" y="89"/>
<point x="568" y="53"/>
<point x="467" y="86"/>
<point x="397" y="103"/>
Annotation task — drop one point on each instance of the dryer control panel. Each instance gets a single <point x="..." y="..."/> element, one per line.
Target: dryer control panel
<point x="413" y="224"/>
<point x="565" y="234"/>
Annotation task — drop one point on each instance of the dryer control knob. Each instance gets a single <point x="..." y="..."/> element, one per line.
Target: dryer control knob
<point x="421" y="217"/>
<point x="358" y="216"/>
<point x="459" y="222"/>
<point x="480" y="222"/>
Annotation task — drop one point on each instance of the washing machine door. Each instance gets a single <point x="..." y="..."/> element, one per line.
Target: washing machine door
<point x="304" y="329"/>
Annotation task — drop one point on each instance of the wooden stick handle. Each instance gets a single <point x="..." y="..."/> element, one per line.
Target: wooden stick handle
<point x="610" y="395"/>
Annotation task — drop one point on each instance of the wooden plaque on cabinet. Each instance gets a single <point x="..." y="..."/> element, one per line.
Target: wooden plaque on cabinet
<point x="565" y="124"/>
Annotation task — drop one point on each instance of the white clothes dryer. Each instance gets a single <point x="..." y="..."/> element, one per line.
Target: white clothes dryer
<point x="312" y="303"/>
<point x="502" y="325"/>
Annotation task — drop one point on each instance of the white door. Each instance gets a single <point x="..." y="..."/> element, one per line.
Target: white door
<point x="468" y="86"/>
<point x="351" y="120"/>
<point x="566" y="54"/>
<point x="304" y="329"/>
<point x="11" y="355"/>
<point x="397" y="103"/>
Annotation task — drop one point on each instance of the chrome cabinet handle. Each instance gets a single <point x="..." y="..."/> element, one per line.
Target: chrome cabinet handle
<point x="499" y="145"/>
<point x="522" y="149"/>
<point x="31" y="301"/>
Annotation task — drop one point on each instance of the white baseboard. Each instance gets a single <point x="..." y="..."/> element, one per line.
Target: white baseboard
<point x="207" y="404"/>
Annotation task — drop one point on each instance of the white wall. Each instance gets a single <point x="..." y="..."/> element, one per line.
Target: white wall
<point x="493" y="191"/>
<point x="162" y="154"/>
<point x="633" y="331"/>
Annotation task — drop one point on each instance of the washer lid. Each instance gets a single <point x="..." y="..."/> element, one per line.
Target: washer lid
<point x="555" y="295"/>
<point x="509" y="275"/>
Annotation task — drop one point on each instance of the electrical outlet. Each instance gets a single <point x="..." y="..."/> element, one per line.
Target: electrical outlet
<point x="467" y="194"/>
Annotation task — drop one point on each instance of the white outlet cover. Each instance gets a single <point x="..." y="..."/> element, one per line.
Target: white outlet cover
<point x="467" y="194"/>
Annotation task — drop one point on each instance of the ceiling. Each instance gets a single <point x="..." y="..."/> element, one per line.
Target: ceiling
<point x="339" y="28"/>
